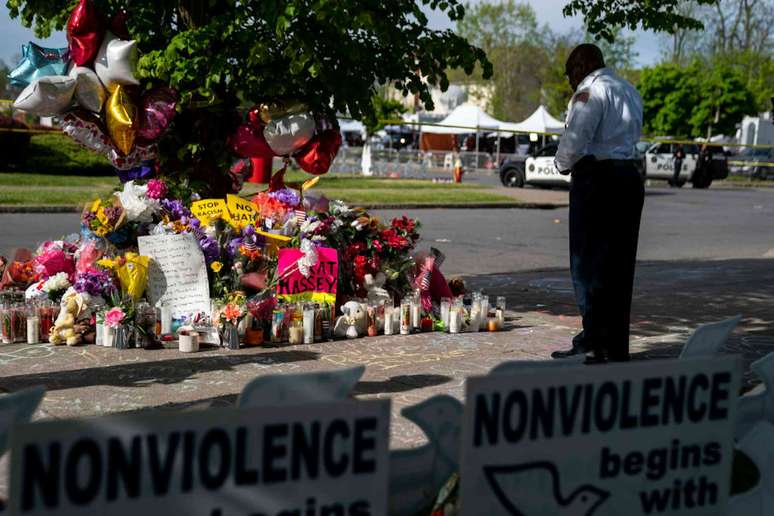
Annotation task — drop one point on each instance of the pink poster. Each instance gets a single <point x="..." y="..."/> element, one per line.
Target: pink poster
<point x="319" y="285"/>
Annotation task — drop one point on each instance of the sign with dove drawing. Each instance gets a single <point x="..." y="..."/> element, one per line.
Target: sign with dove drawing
<point x="634" y="439"/>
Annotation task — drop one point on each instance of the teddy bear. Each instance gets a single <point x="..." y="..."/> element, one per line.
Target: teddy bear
<point x="64" y="329"/>
<point x="353" y="323"/>
<point x="377" y="294"/>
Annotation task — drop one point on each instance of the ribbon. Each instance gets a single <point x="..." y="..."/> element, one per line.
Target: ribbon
<point x="132" y="174"/>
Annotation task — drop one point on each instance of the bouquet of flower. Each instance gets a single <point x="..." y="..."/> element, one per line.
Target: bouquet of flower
<point x="55" y="286"/>
<point x="102" y="218"/>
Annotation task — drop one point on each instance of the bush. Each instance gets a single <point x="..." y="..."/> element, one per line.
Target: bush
<point x="13" y="146"/>
<point x="57" y="154"/>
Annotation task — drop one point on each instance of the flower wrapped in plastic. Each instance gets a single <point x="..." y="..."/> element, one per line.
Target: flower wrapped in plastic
<point x="138" y="206"/>
<point x="132" y="272"/>
<point x="103" y="219"/>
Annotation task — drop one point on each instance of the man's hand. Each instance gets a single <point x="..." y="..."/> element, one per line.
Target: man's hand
<point x="565" y="172"/>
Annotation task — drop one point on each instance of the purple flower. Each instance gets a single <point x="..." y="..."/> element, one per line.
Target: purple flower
<point x="175" y="209"/>
<point x="286" y="196"/>
<point x="94" y="282"/>
<point x="210" y="249"/>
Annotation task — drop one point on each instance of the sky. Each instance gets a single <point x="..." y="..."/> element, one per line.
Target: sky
<point x="549" y="12"/>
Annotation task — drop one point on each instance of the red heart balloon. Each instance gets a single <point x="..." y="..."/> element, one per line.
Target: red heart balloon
<point x="157" y="111"/>
<point x="316" y="157"/>
<point x="85" y="30"/>
<point x="254" y="117"/>
<point x="118" y="25"/>
<point x="248" y="142"/>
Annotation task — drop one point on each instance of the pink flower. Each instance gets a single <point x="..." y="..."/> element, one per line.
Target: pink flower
<point x="114" y="317"/>
<point x="54" y="260"/>
<point x="157" y="189"/>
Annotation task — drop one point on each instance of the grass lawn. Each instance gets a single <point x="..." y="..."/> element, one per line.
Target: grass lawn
<point x="18" y="188"/>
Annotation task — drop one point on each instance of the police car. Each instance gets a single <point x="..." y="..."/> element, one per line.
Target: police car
<point x="660" y="164"/>
<point x="537" y="169"/>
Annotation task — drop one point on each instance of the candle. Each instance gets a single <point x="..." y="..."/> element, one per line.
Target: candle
<point x="19" y="322"/>
<point x="388" y="324"/>
<point x="99" y="337"/>
<point x="483" y="321"/>
<point x="445" y="309"/>
<point x="318" y="322"/>
<point x="500" y="316"/>
<point x="491" y="324"/>
<point x="107" y="336"/>
<point x="372" y="322"/>
<point x="296" y="333"/>
<point x="277" y="320"/>
<point x="309" y="324"/>
<point x="166" y="319"/>
<point x="405" y="318"/>
<point x="33" y="329"/>
<point x="416" y="314"/>
<point x="454" y="320"/>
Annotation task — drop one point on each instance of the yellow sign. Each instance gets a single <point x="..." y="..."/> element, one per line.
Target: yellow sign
<point x="209" y="210"/>
<point x="241" y="211"/>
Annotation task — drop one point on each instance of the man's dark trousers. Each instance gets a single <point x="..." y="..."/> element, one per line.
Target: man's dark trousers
<point x="606" y="200"/>
<point x="678" y="168"/>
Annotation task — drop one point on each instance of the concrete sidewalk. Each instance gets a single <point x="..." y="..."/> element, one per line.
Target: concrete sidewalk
<point x="671" y="299"/>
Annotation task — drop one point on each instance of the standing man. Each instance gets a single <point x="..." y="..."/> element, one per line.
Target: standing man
<point x="678" y="155"/>
<point x="604" y="123"/>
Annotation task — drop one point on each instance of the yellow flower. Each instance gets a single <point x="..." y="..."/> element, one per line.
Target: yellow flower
<point x="101" y="231"/>
<point x="216" y="266"/>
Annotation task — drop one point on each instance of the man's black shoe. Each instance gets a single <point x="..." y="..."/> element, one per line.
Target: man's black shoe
<point x="594" y="359"/>
<point x="573" y="351"/>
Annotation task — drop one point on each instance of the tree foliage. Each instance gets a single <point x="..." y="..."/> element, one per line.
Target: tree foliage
<point x="685" y="101"/>
<point x="603" y="17"/>
<point x="225" y="54"/>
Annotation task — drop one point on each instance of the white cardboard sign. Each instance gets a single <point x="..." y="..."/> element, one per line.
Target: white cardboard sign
<point x="177" y="274"/>
<point x="628" y="439"/>
<point x="310" y="460"/>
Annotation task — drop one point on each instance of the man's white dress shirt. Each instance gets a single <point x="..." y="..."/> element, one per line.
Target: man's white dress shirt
<point x="604" y="119"/>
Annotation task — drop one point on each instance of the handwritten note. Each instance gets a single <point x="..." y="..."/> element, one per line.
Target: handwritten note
<point x="177" y="274"/>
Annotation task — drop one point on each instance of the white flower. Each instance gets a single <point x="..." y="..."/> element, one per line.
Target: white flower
<point x="137" y="206"/>
<point x="56" y="282"/>
<point x="309" y="259"/>
<point x="338" y="208"/>
<point x="309" y="226"/>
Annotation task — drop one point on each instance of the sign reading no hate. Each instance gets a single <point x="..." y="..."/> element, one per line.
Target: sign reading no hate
<point x="629" y="439"/>
<point x="313" y="460"/>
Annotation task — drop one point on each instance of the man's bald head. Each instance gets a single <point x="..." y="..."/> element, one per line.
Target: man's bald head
<point x="583" y="60"/>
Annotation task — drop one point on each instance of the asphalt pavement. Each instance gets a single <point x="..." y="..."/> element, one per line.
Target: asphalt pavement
<point x="677" y="224"/>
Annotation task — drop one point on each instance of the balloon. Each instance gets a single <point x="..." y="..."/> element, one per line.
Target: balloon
<point x="289" y="133"/>
<point x="87" y="130"/>
<point x="270" y="110"/>
<point x="47" y="96"/>
<point x="89" y="92"/>
<point x="317" y="156"/>
<point x="37" y="62"/>
<point x="118" y="25"/>
<point x="116" y="62"/>
<point x="254" y="117"/>
<point x="121" y="116"/>
<point x="248" y="142"/>
<point x="140" y="154"/>
<point x="156" y="112"/>
<point x="144" y="171"/>
<point x="85" y="31"/>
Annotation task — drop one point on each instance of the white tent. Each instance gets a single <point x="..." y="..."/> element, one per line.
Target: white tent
<point x="540" y="121"/>
<point x="464" y="116"/>
<point x="351" y="126"/>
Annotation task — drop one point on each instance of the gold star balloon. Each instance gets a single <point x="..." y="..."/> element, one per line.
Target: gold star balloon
<point x="122" y="119"/>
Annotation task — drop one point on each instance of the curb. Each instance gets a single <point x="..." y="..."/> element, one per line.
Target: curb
<point x="479" y="206"/>
<point x="40" y="209"/>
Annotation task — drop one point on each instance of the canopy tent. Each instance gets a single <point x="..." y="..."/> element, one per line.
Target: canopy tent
<point x="540" y="121"/>
<point x="351" y="126"/>
<point x="464" y="116"/>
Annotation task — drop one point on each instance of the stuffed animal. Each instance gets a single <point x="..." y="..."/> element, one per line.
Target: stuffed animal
<point x="64" y="331"/>
<point x="353" y="323"/>
<point x="375" y="287"/>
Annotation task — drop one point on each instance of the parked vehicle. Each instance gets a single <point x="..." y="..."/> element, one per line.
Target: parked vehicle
<point x="755" y="162"/>
<point x="537" y="169"/>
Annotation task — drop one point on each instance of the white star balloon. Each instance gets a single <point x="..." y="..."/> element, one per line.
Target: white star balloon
<point x="89" y="92"/>
<point x="47" y="96"/>
<point x="116" y="62"/>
